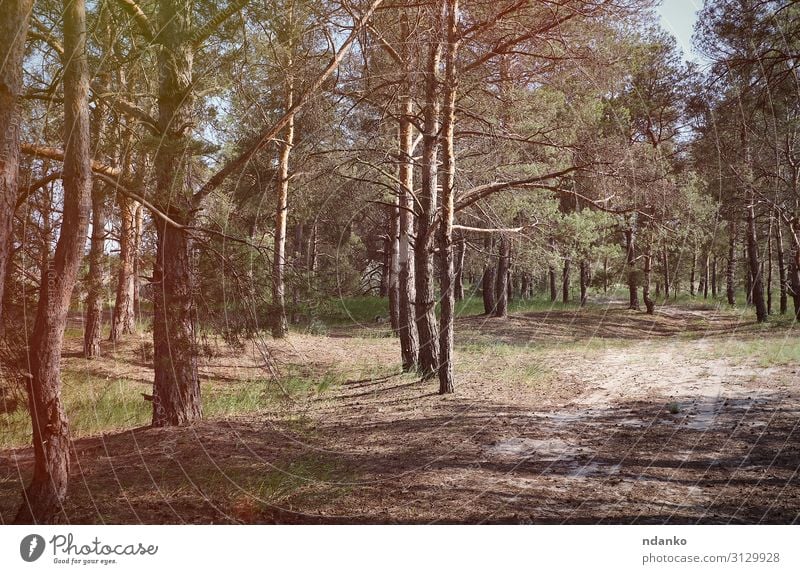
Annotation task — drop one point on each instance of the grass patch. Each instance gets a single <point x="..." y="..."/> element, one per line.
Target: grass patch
<point x="774" y="352"/>
<point x="93" y="405"/>
<point x="96" y="405"/>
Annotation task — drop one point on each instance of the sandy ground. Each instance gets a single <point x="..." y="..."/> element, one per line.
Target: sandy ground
<point x="562" y="417"/>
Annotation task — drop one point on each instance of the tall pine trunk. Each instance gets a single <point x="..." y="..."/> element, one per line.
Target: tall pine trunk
<point x="649" y="303"/>
<point x="584" y="281"/>
<point x="794" y="267"/>
<point x="714" y="277"/>
<point x="45" y="495"/>
<point x="14" y="16"/>
<point x="461" y="249"/>
<point x="280" y="325"/>
<point x="423" y="248"/>
<point x="730" y="275"/>
<point x="446" y="382"/>
<point x="781" y="262"/>
<point x="94" y="300"/>
<point x="630" y="249"/>
<point x="176" y="384"/>
<point x="769" y="266"/>
<point x="565" y="281"/>
<point x="757" y="283"/>
<point x="123" y="320"/>
<point x="501" y="285"/>
<point x="407" y="293"/>
<point x="489" y="277"/>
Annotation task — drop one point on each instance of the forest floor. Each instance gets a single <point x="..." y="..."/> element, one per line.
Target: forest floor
<point x="601" y="415"/>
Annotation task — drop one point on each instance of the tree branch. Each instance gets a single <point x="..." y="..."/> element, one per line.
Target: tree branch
<point x="142" y="21"/>
<point x="58" y="155"/>
<point x="269" y="133"/>
<point x="201" y="34"/>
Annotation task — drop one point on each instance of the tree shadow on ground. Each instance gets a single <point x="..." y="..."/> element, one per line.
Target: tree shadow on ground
<point x="446" y="461"/>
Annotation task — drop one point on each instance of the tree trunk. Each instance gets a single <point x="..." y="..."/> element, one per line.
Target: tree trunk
<point x="649" y="303"/>
<point x="46" y="493"/>
<point x="176" y="385"/>
<point x="755" y="267"/>
<point x="423" y="248"/>
<point x="665" y="265"/>
<point x="94" y="301"/>
<point x="138" y="234"/>
<point x="446" y="382"/>
<point x="501" y="288"/>
<point x="13" y="30"/>
<point x="630" y="248"/>
<point x="781" y="262"/>
<point x="706" y="270"/>
<point x="714" y="277"/>
<point x="565" y="282"/>
<point x="730" y="275"/>
<point x="390" y="276"/>
<point x="551" y="271"/>
<point x="297" y="267"/>
<point x="489" y="277"/>
<point x="584" y="281"/>
<point x="461" y="249"/>
<point x="692" y="274"/>
<point x="123" y="320"/>
<point x="769" y="266"/>
<point x="407" y="326"/>
<point x="794" y="267"/>
<point x="93" y="322"/>
<point x="280" y="326"/>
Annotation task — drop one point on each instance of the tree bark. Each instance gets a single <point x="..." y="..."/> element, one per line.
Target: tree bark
<point x="794" y="267"/>
<point x="93" y="324"/>
<point x="460" y="254"/>
<point x="407" y="294"/>
<point x="489" y="277"/>
<point x="423" y="248"/>
<point x="730" y="275"/>
<point x="123" y="320"/>
<point x="501" y="286"/>
<point x="584" y="281"/>
<point x="280" y="326"/>
<point x="565" y="282"/>
<point x="630" y="249"/>
<point x="176" y="385"/>
<point x="693" y="272"/>
<point x="757" y="283"/>
<point x="45" y="495"/>
<point x="446" y="382"/>
<point x="781" y="263"/>
<point x="14" y="15"/>
<point x="769" y="266"/>
<point x="649" y="303"/>
<point x="714" y="277"/>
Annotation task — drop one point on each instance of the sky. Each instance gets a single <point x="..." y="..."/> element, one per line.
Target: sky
<point x="678" y="17"/>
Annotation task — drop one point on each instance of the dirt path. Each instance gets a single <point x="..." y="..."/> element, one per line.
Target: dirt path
<point x="648" y="427"/>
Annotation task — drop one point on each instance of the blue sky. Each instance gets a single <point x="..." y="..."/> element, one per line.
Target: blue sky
<point x="679" y="16"/>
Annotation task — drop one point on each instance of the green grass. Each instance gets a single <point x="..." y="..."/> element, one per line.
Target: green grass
<point x="773" y="352"/>
<point x="93" y="405"/>
<point x="96" y="405"/>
